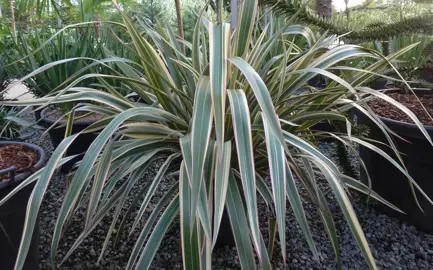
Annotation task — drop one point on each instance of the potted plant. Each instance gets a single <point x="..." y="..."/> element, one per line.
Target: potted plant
<point x="57" y="124"/>
<point x="411" y="148"/>
<point x="221" y="123"/>
<point x="18" y="160"/>
<point x="33" y="51"/>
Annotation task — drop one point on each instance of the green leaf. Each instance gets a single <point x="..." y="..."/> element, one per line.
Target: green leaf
<point x="262" y="95"/>
<point x="189" y="236"/>
<point x="202" y="208"/>
<point x="149" y="225"/>
<point x="244" y="147"/>
<point x="349" y="213"/>
<point x="80" y="177"/>
<point x="200" y="136"/>
<point x="35" y="199"/>
<point x="245" y="28"/>
<point x="221" y="183"/>
<point x="382" y="153"/>
<point x="358" y="186"/>
<point x="298" y="210"/>
<point x="157" y="235"/>
<point x="239" y="225"/>
<point x="219" y="37"/>
<point x="102" y="170"/>
<point x="277" y="167"/>
<point x="272" y="229"/>
<point x="403" y="108"/>
<point x="301" y="30"/>
<point x="155" y="182"/>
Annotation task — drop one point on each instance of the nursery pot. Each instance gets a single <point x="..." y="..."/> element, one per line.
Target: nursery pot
<point x="13" y="212"/>
<point x="37" y="113"/>
<point x="327" y="126"/>
<point x="57" y="134"/>
<point x="389" y="182"/>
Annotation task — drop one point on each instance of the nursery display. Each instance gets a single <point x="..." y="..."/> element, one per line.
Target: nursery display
<point x="228" y="133"/>
<point x="214" y="141"/>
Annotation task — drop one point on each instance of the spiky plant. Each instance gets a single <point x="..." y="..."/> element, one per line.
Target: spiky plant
<point x="8" y="129"/>
<point x="34" y="50"/>
<point x="231" y="123"/>
<point x="421" y="24"/>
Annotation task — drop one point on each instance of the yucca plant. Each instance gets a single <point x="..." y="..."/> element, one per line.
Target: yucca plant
<point x="231" y="123"/>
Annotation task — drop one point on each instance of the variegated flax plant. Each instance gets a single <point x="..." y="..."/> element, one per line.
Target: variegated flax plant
<point x="232" y="121"/>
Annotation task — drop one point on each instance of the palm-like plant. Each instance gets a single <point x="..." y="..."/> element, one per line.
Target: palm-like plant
<point x="223" y="121"/>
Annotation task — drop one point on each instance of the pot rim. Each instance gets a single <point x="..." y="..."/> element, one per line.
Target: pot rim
<point x="401" y="128"/>
<point x="50" y="121"/>
<point x="405" y="124"/>
<point x="23" y="175"/>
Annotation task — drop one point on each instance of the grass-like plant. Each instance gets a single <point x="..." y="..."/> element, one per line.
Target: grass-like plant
<point x="34" y="49"/>
<point x="225" y="121"/>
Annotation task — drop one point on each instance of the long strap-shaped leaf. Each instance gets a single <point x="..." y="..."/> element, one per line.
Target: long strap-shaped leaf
<point x="139" y="243"/>
<point x="36" y="199"/>
<point x="31" y="179"/>
<point x="239" y="225"/>
<point x="298" y="210"/>
<point x="244" y="147"/>
<point x="245" y="27"/>
<point x="100" y="177"/>
<point x="152" y="188"/>
<point x="132" y="180"/>
<point x="81" y="175"/>
<point x="323" y="209"/>
<point x="218" y="51"/>
<point x="200" y="136"/>
<point x="185" y="143"/>
<point x="330" y="171"/>
<point x="277" y="167"/>
<point x="157" y="235"/>
<point x="262" y="95"/>
<point x="221" y="183"/>
<point x="349" y="213"/>
<point x="188" y="229"/>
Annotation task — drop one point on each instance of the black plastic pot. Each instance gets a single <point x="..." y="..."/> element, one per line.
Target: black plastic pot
<point x="327" y="126"/>
<point x="390" y="183"/>
<point x="318" y="81"/>
<point x="57" y="134"/>
<point x="12" y="216"/>
<point x="225" y="234"/>
<point x="425" y="74"/>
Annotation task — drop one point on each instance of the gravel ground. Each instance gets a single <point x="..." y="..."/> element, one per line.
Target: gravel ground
<point x="394" y="244"/>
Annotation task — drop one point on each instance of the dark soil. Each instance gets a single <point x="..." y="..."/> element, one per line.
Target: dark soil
<point x="54" y="114"/>
<point x="385" y="109"/>
<point x="16" y="155"/>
